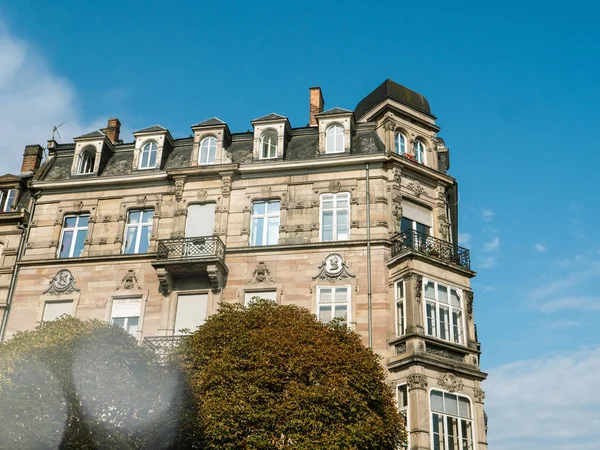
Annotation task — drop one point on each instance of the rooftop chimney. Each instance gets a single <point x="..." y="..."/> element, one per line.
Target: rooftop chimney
<point x="32" y="158"/>
<point x="316" y="105"/>
<point x="113" y="129"/>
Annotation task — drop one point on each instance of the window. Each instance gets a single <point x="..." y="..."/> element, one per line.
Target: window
<point x="400" y="311"/>
<point x="208" y="149"/>
<point x="73" y="236"/>
<point x="402" y="403"/>
<point x="268" y="145"/>
<point x="138" y="231"/>
<point x="400" y="144"/>
<point x="265" y="223"/>
<point x="191" y="312"/>
<point x="148" y="156"/>
<point x="415" y="224"/>
<point x="419" y="149"/>
<point x="86" y="161"/>
<point x="334" y="139"/>
<point x="200" y="220"/>
<point x="452" y="422"/>
<point x="332" y="303"/>
<point x="53" y="310"/>
<point x="443" y="311"/>
<point x="335" y="216"/>
<point x="250" y="297"/>
<point x="126" y="314"/>
<point x="7" y="198"/>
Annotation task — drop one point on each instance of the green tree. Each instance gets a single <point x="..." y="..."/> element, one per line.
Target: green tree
<point x="71" y="384"/>
<point x="269" y="376"/>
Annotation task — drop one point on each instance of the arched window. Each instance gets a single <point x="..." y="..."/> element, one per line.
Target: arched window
<point x="400" y="143"/>
<point x="452" y="420"/>
<point x="268" y="145"/>
<point x="86" y="161"/>
<point x="208" y="149"/>
<point x="148" y="156"/>
<point x="335" y="139"/>
<point x="419" y="148"/>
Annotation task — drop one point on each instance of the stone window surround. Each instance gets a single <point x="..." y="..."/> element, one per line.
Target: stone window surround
<point x="350" y="312"/>
<point x="283" y="130"/>
<point x="162" y="139"/>
<point x="86" y="145"/>
<point x="345" y="120"/>
<point x="223" y="137"/>
<point x="143" y="300"/>
<point x="471" y="409"/>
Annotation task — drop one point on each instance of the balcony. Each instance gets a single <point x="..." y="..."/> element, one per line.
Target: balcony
<point x="192" y="256"/>
<point x="415" y="241"/>
<point x="162" y="345"/>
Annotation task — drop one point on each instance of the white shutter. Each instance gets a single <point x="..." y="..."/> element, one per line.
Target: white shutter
<point x="417" y="213"/>
<point x="191" y="311"/>
<point x="269" y="295"/>
<point x="200" y="220"/>
<point x="126" y="307"/>
<point x="54" y="310"/>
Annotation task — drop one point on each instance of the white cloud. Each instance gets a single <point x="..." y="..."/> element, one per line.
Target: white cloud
<point x="486" y="214"/>
<point x="494" y="244"/>
<point x="572" y="279"/>
<point x="571" y="303"/>
<point x="541" y="248"/>
<point x="563" y="323"/>
<point x="33" y="100"/>
<point x="464" y="238"/>
<point x="487" y="262"/>
<point x="546" y="403"/>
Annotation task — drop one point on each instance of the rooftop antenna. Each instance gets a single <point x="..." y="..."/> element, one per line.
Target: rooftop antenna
<point x="55" y="130"/>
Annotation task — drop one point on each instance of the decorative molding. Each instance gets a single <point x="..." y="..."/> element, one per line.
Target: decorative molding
<point x="469" y="295"/>
<point x="202" y="195"/>
<point x="418" y="285"/>
<point x="179" y="185"/>
<point x="479" y="394"/>
<point x="226" y="180"/>
<point x="261" y="274"/>
<point x="266" y="191"/>
<point x="130" y="281"/>
<point x="77" y="205"/>
<point x="450" y="381"/>
<point x="416" y="188"/>
<point x="164" y="280"/>
<point x="332" y="268"/>
<point x="400" y="348"/>
<point x="416" y="381"/>
<point x="62" y="283"/>
<point x="334" y="186"/>
<point x="215" y="276"/>
<point x="434" y="350"/>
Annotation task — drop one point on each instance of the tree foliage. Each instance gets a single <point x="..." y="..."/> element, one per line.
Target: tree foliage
<point x="268" y="376"/>
<point x="83" y="385"/>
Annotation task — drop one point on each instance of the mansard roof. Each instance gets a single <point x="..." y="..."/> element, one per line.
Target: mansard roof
<point x="391" y="89"/>
<point x="152" y="129"/>
<point x="272" y="116"/>
<point x="213" y="121"/>
<point x="93" y="134"/>
<point x="332" y="111"/>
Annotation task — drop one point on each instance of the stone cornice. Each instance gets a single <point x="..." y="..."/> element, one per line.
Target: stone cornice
<point x="396" y="364"/>
<point x="150" y="257"/>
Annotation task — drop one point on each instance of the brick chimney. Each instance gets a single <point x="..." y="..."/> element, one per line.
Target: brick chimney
<point x="32" y="158"/>
<point x="316" y="105"/>
<point x="113" y="129"/>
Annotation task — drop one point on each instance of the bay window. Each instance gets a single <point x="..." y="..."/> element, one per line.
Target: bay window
<point x="452" y="422"/>
<point x="444" y="312"/>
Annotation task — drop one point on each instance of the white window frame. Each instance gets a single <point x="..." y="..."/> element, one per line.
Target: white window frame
<point x="206" y="144"/>
<point x="397" y="148"/>
<point x="404" y="409"/>
<point x="117" y="300"/>
<point x="266" y="216"/>
<point x="447" y="306"/>
<point x="333" y="303"/>
<point x="87" y="161"/>
<point x="253" y="294"/>
<point x="268" y="138"/>
<point x="400" y="308"/>
<point x="337" y="131"/>
<point x="138" y="227"/>
<point x="76" y="230"/>
<point x="445" y="416"/>
<point x="7" y="199"/>
<point x="335" y="209"/>
<point x="420" y="149"/>
<point x="152" y="148"/>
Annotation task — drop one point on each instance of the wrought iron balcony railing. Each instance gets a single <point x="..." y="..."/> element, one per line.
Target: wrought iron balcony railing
<point x="163" y="345"/>
<point x="412" y="240"/>
<point x="191" y="247"/>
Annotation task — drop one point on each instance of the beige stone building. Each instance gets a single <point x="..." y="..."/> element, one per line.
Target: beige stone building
<point x="352" y="216"/>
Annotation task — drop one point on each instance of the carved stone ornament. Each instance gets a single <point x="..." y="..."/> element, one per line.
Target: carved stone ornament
<point x="179" y="185"/>
<point x="332" y="268"/>
<point x="450" y="381"/>
<point x="129" y="281"/>
<point x="164" y="280"/>
<point x="261" y="274"/>
<point x="418" y="280"/>
<point x="469" y="295"/>
<point x="62" y="283"/>
<point x="416" y="188"/>
<point x="479" y="394"/>
<point x="416" y="381"/>
<point x="444" y="226"/>
<point x="396" y="174"/>
<point x="226" y="180"/>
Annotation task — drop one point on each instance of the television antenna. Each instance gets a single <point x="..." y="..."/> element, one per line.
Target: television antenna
<point x="55" y="130"/>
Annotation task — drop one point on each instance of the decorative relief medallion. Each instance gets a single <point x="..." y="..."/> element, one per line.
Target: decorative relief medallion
<point x="416" y="188"/>
<point x="62" y="283"/>
<point x="416" y="381"/>
<point x="261" y="274"/>
<point x="333" y="267"/>
<point x="129" y="281"/>
<point x="479" y="394"/>
<point x="450" y="381"/>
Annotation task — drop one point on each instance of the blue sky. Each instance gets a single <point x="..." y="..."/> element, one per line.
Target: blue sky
<point x="515" y="86"/>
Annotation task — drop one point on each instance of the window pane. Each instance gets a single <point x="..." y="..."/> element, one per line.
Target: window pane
<point x="70" y="222"/>
<point x="273" y="208"/>
<point x="134" y="217"/>
<point x="144" y="239"/>
<point x="431" y="319"/>
<point x="464" y="407"/>
<point x="257" y="231"/>
<point x="327" y="201"/>
<point x="454" y="299"/>
<point x="438" y="432"/>
<point x="132" y="325"/>
<point x="451" y="404"/>
<point x="325" y="296"/>
<point x="444" y="324"/>
<point x="325" y="314"/>
<point x="330" y="145"/>
<point x="130" y="240"/>
<point x="259" y="208"/>
<point x="120" y="321"/>
<point x="341" y="295"/>
<point x="400" y="290"/>
<point x="437" y="401"/>
<point x="442" y="293"/>
<point x="341" y="311"/>
<point x="456" y="326"/>
<point x="452" y="430"/>
<point x="147" y="216"/>
<point x="422" y="228"/>
<point x="83" y="221"/>
<point x="152" y="162"/>
<point x="273" y="231"/>
<point x="79" y="243"/>
<point x="399" y="318"/>
<point x="402" y="396"/>
<point x="145" y="157"/>
<point x="327" y="225"/>
<point x="342" y="200"/>
<point x="467" y="434"/>
<point x="342" y="224"/>
<point x="212" y="152"/>
<point x="430" y="290"/>
<point x="406" y="224"/>
<point x="67" y="241"/>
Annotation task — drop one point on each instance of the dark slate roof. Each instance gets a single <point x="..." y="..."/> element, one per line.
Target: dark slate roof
<point x="179" y="157"/>
<point x="365" y="142"/>
<point x="151" y="129"/>
<point x="271" y="116"/>
<point x="209" y="123"/>
<point x="60" y="170"/>
<point x="119" y="164"/>
<point x="335" y="110"/>
<point x="95" y="133"/>
<point x="395" y="91"/>
<point x="303" y="147"/>
<point x="241" y="150"/>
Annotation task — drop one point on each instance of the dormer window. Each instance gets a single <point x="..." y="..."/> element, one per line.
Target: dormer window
<point x="148" y="156"/>
<point x="7" y="198"/>
<point x="419" y="149"/>
<point x="268" y="145"/>
<point x="400" y="143"/>
<point x="86" y="161"/>
<point x="208" y="150"/>
<point x="335" y="139"/>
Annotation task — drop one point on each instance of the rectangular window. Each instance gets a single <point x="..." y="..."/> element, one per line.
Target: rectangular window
<point x="335" y="216"/>
<point x="126" y="313"/>
<point x="452" y="422"/>
<point x="7" y="198"/>
<point x="138" y="231"/>
<point x="443" y="309"/>
<point x="333" y="303"/>
<point x="265" y="223"/>
<point x="72" y="240"/>
<point x="191" y="312"/>
<point x="249" y="297"/>
<point x="402" y="403"/>
<point x="53" y="310"/>
<point x="400" y="312"/>
<point x="200" y="220"/>
<point x="416" y="219"/>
